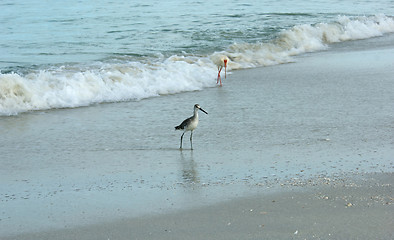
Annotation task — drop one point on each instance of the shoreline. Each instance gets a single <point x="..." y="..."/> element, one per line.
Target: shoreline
<point x="360" y="206"/>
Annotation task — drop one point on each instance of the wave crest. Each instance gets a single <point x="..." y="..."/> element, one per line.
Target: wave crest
<point x="66" y="88"/>
<point x="307" y="38"/>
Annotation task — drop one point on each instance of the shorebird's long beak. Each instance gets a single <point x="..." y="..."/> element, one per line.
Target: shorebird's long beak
<point x="225" y="68"/>
<point x="203" y="110"/>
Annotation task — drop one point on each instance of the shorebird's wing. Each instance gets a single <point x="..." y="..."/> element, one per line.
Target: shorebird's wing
<point x="184" y="123"/>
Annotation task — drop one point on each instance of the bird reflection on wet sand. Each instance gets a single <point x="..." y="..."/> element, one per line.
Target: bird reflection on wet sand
<point x="189" y="172"/>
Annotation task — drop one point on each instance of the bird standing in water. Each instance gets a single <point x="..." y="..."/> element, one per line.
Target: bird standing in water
<point x="190" y="124"/>
<point x="221" y="62"/>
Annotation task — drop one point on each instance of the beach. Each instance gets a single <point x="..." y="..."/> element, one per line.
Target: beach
<point x="302" y="150"/>
<point x="350" y="207"/>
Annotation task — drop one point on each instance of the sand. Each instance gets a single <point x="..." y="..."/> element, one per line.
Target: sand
<point x="346" y="207"/>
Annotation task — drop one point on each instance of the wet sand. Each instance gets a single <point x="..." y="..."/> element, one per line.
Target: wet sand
<point x="295" y="151"/>
<point x="347" y="207"/>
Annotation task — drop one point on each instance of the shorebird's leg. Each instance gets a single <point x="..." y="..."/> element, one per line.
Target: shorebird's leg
<point x="219" y="78"/>
<point x="191" y="141"/>
<point x="225" y="68"/>
<point x="181" y="140"/>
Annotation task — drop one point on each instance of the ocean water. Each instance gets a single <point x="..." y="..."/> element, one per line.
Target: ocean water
<point x="65" y="55"/>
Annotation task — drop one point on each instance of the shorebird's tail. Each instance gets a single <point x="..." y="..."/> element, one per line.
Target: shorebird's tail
<point x="178" y="127"/>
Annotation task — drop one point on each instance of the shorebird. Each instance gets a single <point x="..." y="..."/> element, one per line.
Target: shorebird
<point x="221" y="61"/>
<point x="190" y="124"/>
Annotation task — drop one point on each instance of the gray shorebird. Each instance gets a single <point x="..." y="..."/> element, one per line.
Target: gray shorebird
<point x="190" y="124"/>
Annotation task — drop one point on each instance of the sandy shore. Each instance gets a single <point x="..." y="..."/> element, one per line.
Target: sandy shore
<point x="346" y="207"/>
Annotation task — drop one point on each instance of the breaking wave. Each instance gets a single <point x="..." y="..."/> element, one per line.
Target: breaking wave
<point x="307" y="38"/>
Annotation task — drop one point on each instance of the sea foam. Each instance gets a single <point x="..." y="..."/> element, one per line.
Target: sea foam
<point x="66" y="88"/>
<point x="73" y="86"/>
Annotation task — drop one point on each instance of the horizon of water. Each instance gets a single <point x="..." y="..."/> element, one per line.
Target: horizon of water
<point x="76" y="54"/>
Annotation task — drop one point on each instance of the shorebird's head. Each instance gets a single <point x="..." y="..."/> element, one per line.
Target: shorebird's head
<point x="198" y="107"/>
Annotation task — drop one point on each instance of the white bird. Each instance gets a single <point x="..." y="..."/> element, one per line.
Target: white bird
<point x="221" y="61"/>
<point x="190" y="124"/>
